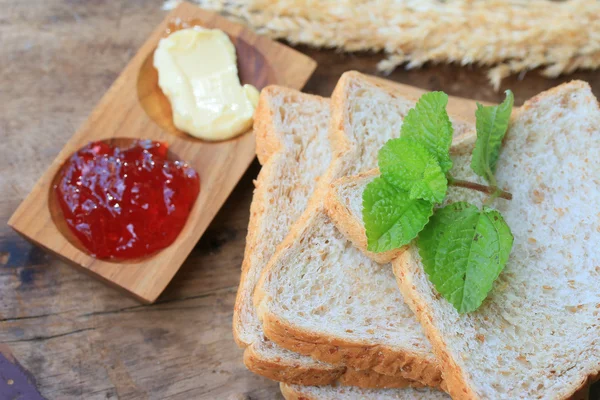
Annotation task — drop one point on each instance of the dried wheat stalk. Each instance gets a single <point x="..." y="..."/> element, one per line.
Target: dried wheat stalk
<point x="511" y="36"/>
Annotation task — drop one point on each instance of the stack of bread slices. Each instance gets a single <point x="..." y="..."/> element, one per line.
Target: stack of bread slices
<point x="328" y="319"/>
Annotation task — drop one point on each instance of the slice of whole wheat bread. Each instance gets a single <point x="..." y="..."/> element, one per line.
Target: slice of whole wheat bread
<point x="292" y="145"/>
<point x="316" y="296"/>
<point x="296" y="392"/>
<point x="537" y="335"/>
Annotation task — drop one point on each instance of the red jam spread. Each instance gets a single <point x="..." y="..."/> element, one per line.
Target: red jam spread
<point x="126" y="203"/>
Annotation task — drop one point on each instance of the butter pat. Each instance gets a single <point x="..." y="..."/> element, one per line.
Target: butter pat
<point x="197" y="72"/>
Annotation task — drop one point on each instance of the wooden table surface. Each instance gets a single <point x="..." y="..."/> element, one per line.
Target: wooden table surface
<point x="80" y="339"/>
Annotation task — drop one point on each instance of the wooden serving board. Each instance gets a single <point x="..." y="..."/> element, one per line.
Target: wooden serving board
<point x="135" y="108"/>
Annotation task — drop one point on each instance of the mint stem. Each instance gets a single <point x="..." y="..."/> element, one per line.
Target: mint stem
<point x="492" y="197"/>
<point x="480" y="188"/>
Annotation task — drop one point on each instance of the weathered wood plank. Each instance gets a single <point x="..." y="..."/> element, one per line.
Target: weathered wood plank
<point x="80" y="339"/>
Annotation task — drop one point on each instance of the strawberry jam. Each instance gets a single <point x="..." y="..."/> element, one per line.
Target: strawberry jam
<point x="126" y="203"/>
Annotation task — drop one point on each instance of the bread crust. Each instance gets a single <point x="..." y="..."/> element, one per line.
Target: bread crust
<point x="336" y="131"/>
<point x="369" y="379"/>
<point x="269" y="144"/>
<point x="289" y="372"/>
<point x="268" y="141"/>
<point x="382" y="359"/>
<point x="295" y="373"/>
<point x="455" y="384"/>
<point x="290" y="393"/>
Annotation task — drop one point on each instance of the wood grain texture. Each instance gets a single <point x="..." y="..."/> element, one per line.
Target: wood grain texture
<point x="134" y="107"/>
<point x="80" y="339"/>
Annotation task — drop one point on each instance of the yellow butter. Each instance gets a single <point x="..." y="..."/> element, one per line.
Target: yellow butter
<point x="197" y="71"/>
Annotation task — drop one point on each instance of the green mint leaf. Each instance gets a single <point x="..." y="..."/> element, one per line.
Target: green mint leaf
<point x="463" y="250"/>
<point x="392" y="219"/>
<point x="429" y="125"/>
<point x="408" y="165"/>
<point x="492" y="123"/>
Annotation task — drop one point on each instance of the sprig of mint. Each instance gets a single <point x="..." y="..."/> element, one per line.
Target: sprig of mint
<point x="463" y="248"/>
